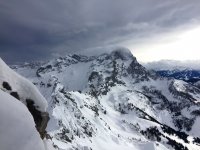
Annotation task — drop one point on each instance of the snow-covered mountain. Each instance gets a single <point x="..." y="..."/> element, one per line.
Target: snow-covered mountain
<point x="187" y="75"/>
<point x="188" y="71"/>
<point x="110" y="101"/>
<point x="173" y="65"/>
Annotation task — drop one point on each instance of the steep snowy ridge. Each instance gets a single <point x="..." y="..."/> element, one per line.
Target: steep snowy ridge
<point x="110" y="99"/>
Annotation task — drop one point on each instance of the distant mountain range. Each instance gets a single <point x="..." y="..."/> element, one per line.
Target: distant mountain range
<point x="187" y="75"/>
<point x="188" y="71"/>
<point x="173" y="65"/>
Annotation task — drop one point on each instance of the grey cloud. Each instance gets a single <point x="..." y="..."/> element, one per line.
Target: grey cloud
<point x="35" y="29"/>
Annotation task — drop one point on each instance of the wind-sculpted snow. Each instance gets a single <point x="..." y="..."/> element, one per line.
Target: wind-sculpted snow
<point x="110" y="101"/>
<point x="20" y="87"/>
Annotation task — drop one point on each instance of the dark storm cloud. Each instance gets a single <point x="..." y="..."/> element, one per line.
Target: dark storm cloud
<point x="34" y="29"/>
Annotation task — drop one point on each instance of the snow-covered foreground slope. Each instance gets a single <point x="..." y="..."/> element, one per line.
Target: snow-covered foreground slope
<point x="23" y="90"/>
<point x="11" y="82"/>
<point x="17" y="127"/>
<point x="23" y="116"/>
<point x="110" y="101"/>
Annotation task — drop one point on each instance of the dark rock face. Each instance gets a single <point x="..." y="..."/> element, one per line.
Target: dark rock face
<point x="15" y="94"/>
<point x="43" y="69"/>
<point x="137" y="71"/>
<point x="154" y="134"/>
<point x="41" y="118"/>
<point x="6" y="86"/>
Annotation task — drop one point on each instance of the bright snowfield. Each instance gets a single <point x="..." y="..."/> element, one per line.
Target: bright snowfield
<point x="109" y="101"/>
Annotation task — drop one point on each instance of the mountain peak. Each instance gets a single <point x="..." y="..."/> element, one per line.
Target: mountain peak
<point x="122" y="53"/>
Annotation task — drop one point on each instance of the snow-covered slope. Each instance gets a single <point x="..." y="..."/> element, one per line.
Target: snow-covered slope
<point x="17" y="127"/>
<point x="20" y="87"/>
<point x="23" y="113"/>
<point x="110" y="101"/>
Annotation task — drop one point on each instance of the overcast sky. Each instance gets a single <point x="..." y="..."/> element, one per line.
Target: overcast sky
<point x="38" y="29"/>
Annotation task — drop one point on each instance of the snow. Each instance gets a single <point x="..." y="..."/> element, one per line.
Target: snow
<point x="17" y="127"/>
<point x="24" y="88"/>
<point x="103" y="135"/>
<point x="179" y="85"/>
<point x="76" y="76"/>
<point x="48" y="144"/>
<point x="195" y="130"/>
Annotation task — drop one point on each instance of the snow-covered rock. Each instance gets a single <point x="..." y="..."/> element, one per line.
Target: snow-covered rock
<point x="17" y="127"/>
<point x="20" y="87"/>
<point x="24" y="91"/>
